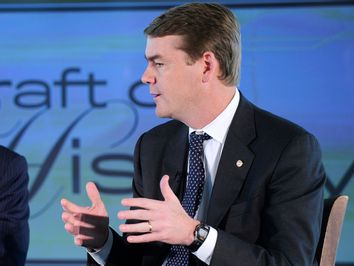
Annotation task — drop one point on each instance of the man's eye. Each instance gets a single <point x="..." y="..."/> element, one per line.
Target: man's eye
<point x="158" y="64"/>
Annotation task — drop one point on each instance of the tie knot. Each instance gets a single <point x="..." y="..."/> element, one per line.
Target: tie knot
<point x="196" y="140"/>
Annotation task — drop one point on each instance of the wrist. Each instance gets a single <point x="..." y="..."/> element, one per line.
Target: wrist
<point x="201" y="233"/>
<point x="191" y="231"/>
<point x="101" y="240"/>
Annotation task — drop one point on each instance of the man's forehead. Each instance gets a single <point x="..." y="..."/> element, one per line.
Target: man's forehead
<point x="158" y="45"/>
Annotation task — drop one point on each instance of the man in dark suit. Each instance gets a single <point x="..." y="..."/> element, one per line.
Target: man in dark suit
<point x="14" y="210"/>
<point x="259" y="201"/>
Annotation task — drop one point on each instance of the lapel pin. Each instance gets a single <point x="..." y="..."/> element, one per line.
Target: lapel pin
<point x="239" y="163"/>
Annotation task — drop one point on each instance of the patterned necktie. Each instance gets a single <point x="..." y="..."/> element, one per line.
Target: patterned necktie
<point x="179" y="254"/>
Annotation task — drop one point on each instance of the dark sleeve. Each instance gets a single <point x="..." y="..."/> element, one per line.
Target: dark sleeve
<point x="122" y="252"/>
<point x="14" y="210"/>
<point x="292" y="214"/>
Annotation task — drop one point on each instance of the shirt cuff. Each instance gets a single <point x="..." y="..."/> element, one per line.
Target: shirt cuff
<point x="206" y="250"/>
<point x="101" y="255"/>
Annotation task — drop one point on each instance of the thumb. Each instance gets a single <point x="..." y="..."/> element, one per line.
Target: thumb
<point x="93" y="194"/>
<point x="166" y="191"/>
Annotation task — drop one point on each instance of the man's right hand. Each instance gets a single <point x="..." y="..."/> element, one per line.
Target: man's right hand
<point x="88" y="225"/>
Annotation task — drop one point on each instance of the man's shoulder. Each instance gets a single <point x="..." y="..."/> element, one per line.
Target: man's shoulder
<point x="163" y="134"/>
<point x="276" y="125"/>
<point x="7" y="153"/>
<point x="10" y="158"/>
<point x="251" y="120"/>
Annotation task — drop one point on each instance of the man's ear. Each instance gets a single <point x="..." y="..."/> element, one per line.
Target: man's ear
<point x="210" y="65"/>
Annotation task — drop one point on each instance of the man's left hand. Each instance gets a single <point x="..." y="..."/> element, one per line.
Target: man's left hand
<point x="164" y="221"/>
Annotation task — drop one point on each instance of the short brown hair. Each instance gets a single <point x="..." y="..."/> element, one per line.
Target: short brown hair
<point x="204" y="27"/>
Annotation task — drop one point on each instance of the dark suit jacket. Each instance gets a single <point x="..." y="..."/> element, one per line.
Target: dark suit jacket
<point x="267" y="212"/>
<point x="14" y="210"/>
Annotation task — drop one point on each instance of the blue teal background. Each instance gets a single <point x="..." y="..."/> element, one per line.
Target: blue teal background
<point x="297" y="61"/>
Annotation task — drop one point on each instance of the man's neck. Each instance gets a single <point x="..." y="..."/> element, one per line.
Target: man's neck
<point x="210" y="108"/>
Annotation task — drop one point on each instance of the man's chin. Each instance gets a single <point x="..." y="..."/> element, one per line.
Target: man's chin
<point x="162" y="114"/>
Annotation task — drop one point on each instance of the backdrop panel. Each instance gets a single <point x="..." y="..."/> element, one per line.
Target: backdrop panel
<point x="71" y="100"/>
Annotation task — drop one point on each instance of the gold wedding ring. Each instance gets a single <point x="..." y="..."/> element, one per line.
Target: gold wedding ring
<point x="150" y="226"/>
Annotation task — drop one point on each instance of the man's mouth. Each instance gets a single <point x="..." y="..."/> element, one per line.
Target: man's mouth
<point x="155" y="95"/>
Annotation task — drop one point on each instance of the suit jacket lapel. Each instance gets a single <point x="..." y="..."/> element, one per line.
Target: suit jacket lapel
<point x="230" y="176"/>
<point x="175" y="161"/>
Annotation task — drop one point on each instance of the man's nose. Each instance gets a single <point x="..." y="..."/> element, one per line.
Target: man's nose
<point x="148" y="77"/>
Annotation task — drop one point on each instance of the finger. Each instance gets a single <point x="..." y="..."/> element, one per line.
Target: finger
<point x="71" y="207"/>
<point x="83" y="237"/>
<point x="135" y="228"/>
<point x="135" y="215"/>
<point x="144" y="238"/>
<point x="71" y="229"/>
<point x="93" y="194"/>
<point x="78" y="241"/>
<point x="84" y="241"/>
<point x="72" y="218"/>
<point x="95" y="220"/>
<point x="66" y="217"/>
<point x="78" y="220"/>
<point x="144" y="203"/>
<point x="166" y="190"/>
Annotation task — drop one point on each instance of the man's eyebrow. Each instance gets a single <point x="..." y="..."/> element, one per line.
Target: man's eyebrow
<point x="153" y="57"/>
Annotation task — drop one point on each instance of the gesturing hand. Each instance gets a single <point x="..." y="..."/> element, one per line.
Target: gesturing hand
<point x="166" y="221"/>
<point x="88" y="225"/>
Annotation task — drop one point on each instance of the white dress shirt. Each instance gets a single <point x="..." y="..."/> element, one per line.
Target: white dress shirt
<point x="217" y="130"/>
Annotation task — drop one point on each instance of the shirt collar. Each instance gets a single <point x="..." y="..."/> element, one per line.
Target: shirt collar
<point x="218" y="128"/>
